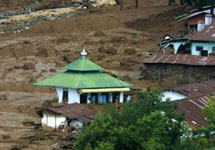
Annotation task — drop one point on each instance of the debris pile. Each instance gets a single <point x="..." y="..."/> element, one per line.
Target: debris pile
<point x="23" y="19"/>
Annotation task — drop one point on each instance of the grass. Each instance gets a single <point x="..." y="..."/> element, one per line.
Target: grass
<point x="137" y="34"/>
<point x="118" y="37"/>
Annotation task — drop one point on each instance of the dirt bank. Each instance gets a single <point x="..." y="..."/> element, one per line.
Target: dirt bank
<point x="117" y="40"/>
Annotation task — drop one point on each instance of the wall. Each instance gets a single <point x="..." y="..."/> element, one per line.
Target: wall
<point x="73" y="97"/>
<point x="176" y="45"/>
<point x="51" y="120"/>
<point x="76" y="124"/>
<point x="171" y="95"/>
<point x="206" y="46"/>
<point x="161" y="71"/>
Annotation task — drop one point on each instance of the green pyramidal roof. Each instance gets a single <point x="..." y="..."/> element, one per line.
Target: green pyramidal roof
<point x="83" y="74"/>
<point x="83" y="64"/>
<point x="78" y="80"/>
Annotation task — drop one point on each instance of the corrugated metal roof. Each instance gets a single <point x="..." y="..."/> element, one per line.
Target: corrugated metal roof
<point x="199" y="96"/>
<point x="183" y="59"/>
<point x="208" y="34"/>
<point x="83" y="64"/>
<point x="192" y="109"/>
<point x="75" y="111"/>
<point x="83" y="80"/>
<point x="197" y="89"/>
<point x="196" y="14"/>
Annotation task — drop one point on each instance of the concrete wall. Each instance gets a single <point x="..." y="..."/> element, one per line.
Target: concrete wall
<point x="161" y="71"/>
<point x="76" y="124"/>
<point x="171" y="95"/>
<point x="206" y="46"/>
<point x="73" y="97"/>
<point x="52" y="120"/>
<point x="176" y="45"/>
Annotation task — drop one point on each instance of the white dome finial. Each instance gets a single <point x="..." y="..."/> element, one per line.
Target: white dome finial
<point x="84" y="53"/>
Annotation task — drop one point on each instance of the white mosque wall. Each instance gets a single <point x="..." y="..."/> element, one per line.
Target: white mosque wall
<point x="171" y="95"/>
<point x="73" y="97"/>
<point x="60" y="94"/>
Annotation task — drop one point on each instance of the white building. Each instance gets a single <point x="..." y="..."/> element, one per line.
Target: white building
<point x="73" y="115"/>
<point x="83" y="81"/>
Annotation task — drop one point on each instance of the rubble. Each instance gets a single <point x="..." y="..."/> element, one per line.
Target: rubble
<point x="29" y="66"/>
<point x="111" y="50"/>
<point x="5" y="137"/>
<point x="99" y="34"/>
<point x="130" y="51"/>
<point x="19" y="20"/>
<point x="42" y="52"/>
<point x="101" y="49"/>
<point x="3" y="97"/>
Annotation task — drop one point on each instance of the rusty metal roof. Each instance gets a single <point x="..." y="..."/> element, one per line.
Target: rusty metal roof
<point x="75" y="111"/>
<point x="181" y="59"/>
<point x="192" y="109"/>
<point x="199" y="96"/>
<point x="197" y="89"/>
<point x="208" y="34"/>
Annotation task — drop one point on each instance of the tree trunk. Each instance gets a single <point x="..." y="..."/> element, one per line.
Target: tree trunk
<point x="137" y="4"/>
<point x="121" y="4"/>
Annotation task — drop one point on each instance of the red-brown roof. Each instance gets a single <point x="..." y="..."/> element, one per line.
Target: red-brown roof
<point x="75" y="111"/>
<point x="208" y="34"/>
<point x="197" y="89"/>
<point x="192" y="109"/>
<point x="181" y="59"/>
<point x="199" y="95"/>
<point x="194" y="20"/>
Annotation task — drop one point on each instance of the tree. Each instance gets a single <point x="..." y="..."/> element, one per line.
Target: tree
<point x="148" y="124"/>
<point x="206" y="139"/>
<point x="196" y="3"/>
<point x="209" y="110"/>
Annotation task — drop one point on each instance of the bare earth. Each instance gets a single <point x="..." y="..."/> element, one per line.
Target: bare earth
<point x="43" y="50"/>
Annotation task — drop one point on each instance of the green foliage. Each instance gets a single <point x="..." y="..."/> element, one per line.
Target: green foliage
<point x="137" y="34"/>
<point x="201" y="3"/>
<point x="196" y="3"/>
<point x="209" y="110"/>
<point x="207" y="141"/>
<point x="143" y="125"/>
<point x="118" y="38"/>
<point x="147" y="124"/>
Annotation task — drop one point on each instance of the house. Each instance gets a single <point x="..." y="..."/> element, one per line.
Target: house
<point x="83" y="81"/>
<point x="197" y="96"/>
<point x="161" y="66"/>
<point x="194" y="17"/>
<point x="72" y="115"/>
<point x="200" y="43"/>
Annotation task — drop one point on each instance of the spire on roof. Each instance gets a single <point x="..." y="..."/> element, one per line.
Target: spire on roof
<point x="83" y="53"/>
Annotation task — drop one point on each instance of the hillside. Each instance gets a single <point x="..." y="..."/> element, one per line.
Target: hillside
<point x="117" y="40"/>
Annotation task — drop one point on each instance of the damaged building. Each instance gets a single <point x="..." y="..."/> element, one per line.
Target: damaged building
<point x="200" y="43"/>
<point x="72" y="115"/>
<point x="193" y="98"/>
